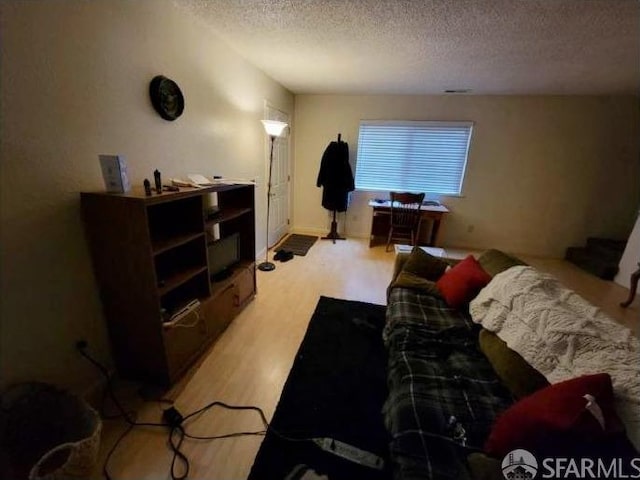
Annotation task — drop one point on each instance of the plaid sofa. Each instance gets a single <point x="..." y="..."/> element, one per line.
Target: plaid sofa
<point x="443" y="392"/>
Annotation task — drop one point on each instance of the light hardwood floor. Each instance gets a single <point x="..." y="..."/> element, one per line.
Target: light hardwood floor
<point x="250" y="362"/>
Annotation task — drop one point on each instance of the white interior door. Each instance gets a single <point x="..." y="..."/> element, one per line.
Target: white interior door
<point x="279" y="204"/>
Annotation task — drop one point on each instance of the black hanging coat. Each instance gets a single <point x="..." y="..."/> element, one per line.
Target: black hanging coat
<point x="336" y="177"/>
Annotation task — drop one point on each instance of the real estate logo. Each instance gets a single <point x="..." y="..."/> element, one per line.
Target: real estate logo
<point x="519" y="464"/>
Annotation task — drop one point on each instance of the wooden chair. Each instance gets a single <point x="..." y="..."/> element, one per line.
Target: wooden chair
<point x="405" y="216"/>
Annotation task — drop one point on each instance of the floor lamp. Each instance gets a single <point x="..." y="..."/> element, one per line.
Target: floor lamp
<point x="274" y="129"/>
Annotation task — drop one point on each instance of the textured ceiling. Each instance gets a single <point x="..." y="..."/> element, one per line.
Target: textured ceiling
<point x="428" y="46"/>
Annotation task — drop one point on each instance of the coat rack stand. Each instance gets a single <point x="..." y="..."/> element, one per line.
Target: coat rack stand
<point x="333" y="234"/>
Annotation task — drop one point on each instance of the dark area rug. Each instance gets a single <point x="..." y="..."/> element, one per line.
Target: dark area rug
<point x="336" y="388"/>
<point x="298" y="244"/>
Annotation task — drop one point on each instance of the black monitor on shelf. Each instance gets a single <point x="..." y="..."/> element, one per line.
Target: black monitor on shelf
<point x="222" y="255"/>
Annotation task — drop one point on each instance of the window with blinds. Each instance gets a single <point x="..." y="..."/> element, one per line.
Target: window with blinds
<point x="412" y="156"/>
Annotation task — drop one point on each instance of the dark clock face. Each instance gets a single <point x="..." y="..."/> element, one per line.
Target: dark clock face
<point x="166" y="97"/>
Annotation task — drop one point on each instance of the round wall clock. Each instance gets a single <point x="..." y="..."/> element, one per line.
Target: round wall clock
<point x="166" y="97"/>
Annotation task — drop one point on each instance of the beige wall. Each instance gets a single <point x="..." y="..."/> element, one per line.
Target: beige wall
<point x="543" y="172"/>
<point x="75" y="78"/>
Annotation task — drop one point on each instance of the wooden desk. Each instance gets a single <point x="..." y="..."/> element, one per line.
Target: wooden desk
<point x="426" y="236"/>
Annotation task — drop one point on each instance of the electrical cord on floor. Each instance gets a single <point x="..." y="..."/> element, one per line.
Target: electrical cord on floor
<point x="175" y="422"/>
<point x="131" y="421"/>
<point x="258" y="410"/>
<point x="105" y="469"/>
<point x="177" y="453"/>
<point x="81" y="346"/>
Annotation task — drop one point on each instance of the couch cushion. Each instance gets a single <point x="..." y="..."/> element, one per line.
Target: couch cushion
<point x="421" y="264"/>
<point x="517" y="375"/>
<point x="461" y="284"/>
<point x="555" y="420"/>
<point x="443" y="394"/>
<point x="495" y="261"/>
<point x="398" y="264"/>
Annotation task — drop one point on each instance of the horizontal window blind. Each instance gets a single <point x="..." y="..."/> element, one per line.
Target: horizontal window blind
<point x="412" y="156"/>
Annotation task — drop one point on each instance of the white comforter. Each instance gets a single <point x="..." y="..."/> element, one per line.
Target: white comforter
<point x="561" y="335"/>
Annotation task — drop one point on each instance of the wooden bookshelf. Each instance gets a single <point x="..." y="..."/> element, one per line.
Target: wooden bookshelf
<point x="151" y="258"/>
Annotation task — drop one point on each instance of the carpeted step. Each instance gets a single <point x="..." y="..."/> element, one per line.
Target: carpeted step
<point x="593" y="262"/>
<point x="606" y="249"/>
<point x="608" y="243"/>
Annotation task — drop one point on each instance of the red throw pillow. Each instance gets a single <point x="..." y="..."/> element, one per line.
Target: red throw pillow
<point x="461" y="284"/>
<point x="555" y="420"/>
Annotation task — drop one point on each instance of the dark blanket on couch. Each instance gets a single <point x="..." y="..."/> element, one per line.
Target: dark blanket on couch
<point x="443" y="394"/>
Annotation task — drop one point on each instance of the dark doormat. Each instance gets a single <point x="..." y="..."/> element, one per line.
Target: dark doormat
<point x="298" y="244"/>
<point x="336" y="388"/>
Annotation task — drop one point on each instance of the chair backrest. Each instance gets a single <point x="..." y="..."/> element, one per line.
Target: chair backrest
<point x="405" y="208"/>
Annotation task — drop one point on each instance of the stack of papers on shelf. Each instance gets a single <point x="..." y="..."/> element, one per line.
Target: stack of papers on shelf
<point x="200" y="180"/>
<point x="237" y="181"/>
<point x="195" y="181"/>
<point x="178" y="182"/>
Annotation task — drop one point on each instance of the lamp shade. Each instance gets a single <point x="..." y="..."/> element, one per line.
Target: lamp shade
<point x="274" y="128"/>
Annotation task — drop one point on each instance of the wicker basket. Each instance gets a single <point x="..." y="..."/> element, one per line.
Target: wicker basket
<point x="52" y="433"/>
<point x="81" y="460"/>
